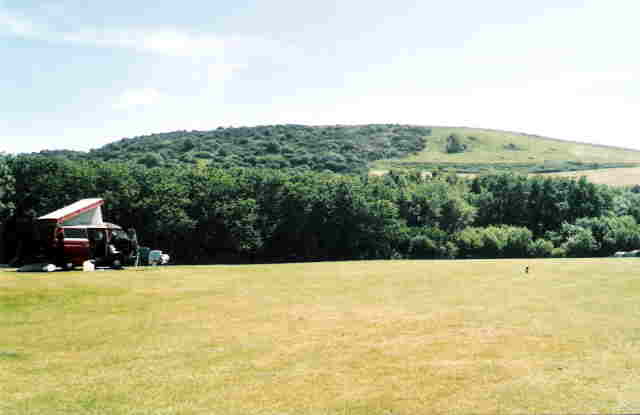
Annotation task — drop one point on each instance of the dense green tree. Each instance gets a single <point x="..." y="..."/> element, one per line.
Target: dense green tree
<point x="427" y="243"/>
<point x="540" y="204"/>
<point x="518" y="241"/>
<point x="626" y="203"/>
<point x="151" y="160"/>
<point x="470" y="242"/>
<point x="7" y="189"/>
<point x="579" y="242"/>
<point x="540" y="248"/>
<point x="494" y="242"/>
<point x="612" y="233"/>
<point x="436" y="204"/>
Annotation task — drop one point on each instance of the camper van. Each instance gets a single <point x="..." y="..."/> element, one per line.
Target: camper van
<point x="77" y="233"/>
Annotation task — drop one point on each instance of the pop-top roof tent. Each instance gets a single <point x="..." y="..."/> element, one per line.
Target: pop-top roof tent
<point x="82" y="212"/>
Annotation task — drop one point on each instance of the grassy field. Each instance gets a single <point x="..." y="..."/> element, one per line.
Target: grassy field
<point x="493" y="147"/>
<point x="379" y="337"/>
<point x="614" y="177"/>
<point x="622" y="176"/>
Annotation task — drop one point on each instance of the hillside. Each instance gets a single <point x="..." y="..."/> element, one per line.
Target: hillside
<point x="342" y="149"/>
<point x="481" y="149"/>
<point x="356" y="149"/>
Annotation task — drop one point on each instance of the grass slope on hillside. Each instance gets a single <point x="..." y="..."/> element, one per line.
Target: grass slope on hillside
<point x="510" y="150"/>
<point x="401" y="337"/>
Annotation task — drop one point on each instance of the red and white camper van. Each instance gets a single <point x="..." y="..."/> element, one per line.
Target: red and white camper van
<point x="77" y="233"/>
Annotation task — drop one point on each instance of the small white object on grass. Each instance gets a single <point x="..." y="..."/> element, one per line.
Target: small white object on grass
<point x="88" y="266"/>
<point x="49" y="268"/>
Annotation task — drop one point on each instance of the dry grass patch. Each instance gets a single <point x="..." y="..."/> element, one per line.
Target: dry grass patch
<point x="380" y="337"/>
<point x="621" y="176"/>
<point x="615" y="177"/>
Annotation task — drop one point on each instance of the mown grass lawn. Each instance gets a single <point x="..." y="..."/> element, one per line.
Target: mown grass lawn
<point x="379" y="337"/>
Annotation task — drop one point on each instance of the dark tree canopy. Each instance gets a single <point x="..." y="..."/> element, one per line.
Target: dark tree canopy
<point x="204" y="213"/>
<point x="343" y="149"/>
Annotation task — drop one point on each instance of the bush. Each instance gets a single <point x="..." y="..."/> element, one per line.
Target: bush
<point x="430" y="243"/>
<point x="540" y="248"/>
<point x="469" y="242"/>
<point x="422" y="247"/>
<point x="455" y="144"/>
<point x="494" y="242"/>
<point x="151" y="160"/>
<point x="581" y="244"/>
<point x="452" y="251"/>
<point x="517" y="243"/>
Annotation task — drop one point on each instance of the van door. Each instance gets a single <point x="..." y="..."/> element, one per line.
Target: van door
<point x="76" y="245"/>
<point x="97" y="243"/>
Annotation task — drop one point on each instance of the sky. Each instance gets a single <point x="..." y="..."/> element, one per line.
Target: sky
<point x="78" y="74"/>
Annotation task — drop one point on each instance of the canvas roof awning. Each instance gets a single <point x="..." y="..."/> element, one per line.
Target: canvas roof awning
<point x="105" y="225"/>
<point x="82" y="212"/>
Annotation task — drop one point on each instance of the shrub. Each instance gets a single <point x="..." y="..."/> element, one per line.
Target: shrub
<point x="540" y="248"/>
<point x="469" y="242"/>
<point x="494" y="242"/>
<point x="455" y="145"/>
<point x="451" y="250"/>
<point x="581" y="244"/>
<point x="518" y="240"/>
<point x="422" y="246"/>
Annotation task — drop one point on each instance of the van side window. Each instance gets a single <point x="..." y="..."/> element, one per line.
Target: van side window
<point x="75" y="233"/>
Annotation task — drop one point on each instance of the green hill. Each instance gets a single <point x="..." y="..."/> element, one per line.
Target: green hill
<point x="356" y="149"/>
<point x="343" y="149"/>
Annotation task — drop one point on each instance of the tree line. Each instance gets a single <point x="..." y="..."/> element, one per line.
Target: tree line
<point x="203" y="214"/>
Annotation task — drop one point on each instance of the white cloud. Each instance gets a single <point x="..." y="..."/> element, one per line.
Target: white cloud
<point x="136" y="98"/>
<point x="208" y="59"/>
<point x="222" y="71"/>
<point x="17" y="25"/>
<point x="174" y="43"/>
<point x="166" y="41"/>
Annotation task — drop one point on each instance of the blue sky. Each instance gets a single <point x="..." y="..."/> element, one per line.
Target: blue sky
<point x="79" y="74"/>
